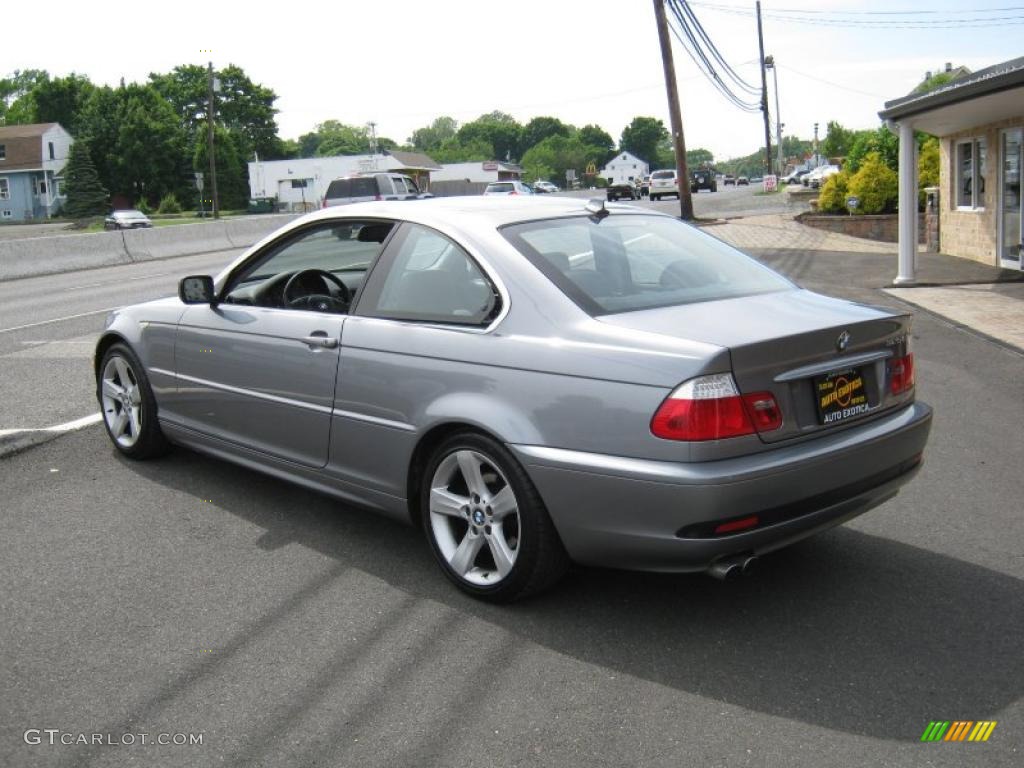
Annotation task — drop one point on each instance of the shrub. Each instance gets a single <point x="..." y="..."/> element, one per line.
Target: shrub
<point x="144" y="207"/>
<point x="876" y="185"/>
<point x="169" y="204"/>
<point x="927" y="168"/>
<point x="832" y="198"/>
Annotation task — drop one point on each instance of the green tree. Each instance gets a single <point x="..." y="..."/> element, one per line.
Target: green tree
<point x="455" y="151"/>
<point x="336" y="138"/>
<point x="434" y="136"/>
<point x="245" y="107"/>
<point x="881" y="140"/>
<point x="136" y="141"/>
<point x="498" y="129"/>
<point x="697" y="158"/>
<point x="86" y="195"/>
<point x="643" y="136"/>
<point x="540" y="128"/>
<point x="556" y="154"/>
<point x="838" y="140"/>
<point x="939" y="79"/>
<point x="61" y="100"/>
<point x="17" y="107"/>
<point x="232" y="173"/>
<point x="875" y="185"/>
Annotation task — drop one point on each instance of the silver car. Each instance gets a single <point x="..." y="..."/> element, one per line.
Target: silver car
<point x="532" y="381"/>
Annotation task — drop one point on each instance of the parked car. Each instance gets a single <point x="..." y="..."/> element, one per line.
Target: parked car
<point x="616" y="190"/>
<point x="795" y="176"/>
<point x="543" y="187"/>
<point x="664" y="183"/>
<point x="817" y="177"/>
<point x="364" y="187"/>
<point x="127" y="219"/>
<point x="703" y="179"/>
<point x="508" y="188"/>
<point x="728" y="413"/>
<point x="729" y="179"/>
<point x="742" y="181"/>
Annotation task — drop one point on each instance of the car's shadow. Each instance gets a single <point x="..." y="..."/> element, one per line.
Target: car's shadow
<point x="848" y="631"/>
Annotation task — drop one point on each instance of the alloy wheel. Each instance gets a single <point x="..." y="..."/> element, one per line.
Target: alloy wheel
<point x="122" y="401"/>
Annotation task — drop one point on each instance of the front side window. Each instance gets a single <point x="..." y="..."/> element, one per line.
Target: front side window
<point x="623" y="263"/>
<point x="318" y="269"/>
<point x="970" y="174"/>
<point x="428" y="278"/>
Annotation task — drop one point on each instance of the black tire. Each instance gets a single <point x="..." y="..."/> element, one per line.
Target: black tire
<point x="540" y="559"/>
<point x="149" y="442"/>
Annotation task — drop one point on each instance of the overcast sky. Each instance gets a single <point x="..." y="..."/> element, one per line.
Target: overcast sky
<point x="402" y="63"/>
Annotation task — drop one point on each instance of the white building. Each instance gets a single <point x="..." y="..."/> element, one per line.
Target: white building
<point x="303" y="182"/>
<point x="477" y="172"/>
<point x="625" y="166"/>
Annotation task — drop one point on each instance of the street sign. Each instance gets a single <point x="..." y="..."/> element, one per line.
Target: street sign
<point x="570" y="174"/>
<point x="852" y="202"/>
<point x="199" y="181"/>
<point x="770" y="182"/>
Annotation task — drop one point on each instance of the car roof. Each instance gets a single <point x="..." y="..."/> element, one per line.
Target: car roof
<point x="467" y="211"/>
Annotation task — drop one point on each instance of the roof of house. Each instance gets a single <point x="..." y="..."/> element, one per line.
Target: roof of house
<point x="414" y="160"/>
<point x="987" y="89"/>
<point x="25" y="131"/>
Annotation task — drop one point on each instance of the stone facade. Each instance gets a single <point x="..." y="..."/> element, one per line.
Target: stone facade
<point x="881" y="227"/>
<point x="972" y="234"/>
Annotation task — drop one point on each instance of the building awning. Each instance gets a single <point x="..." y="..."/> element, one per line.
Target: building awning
<point x="988" y="96"/>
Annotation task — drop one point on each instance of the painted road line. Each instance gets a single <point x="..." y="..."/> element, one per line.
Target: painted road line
<point x="15" y="440"/>
<point x="57" y="320"/>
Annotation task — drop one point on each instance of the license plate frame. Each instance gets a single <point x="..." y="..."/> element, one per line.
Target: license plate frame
<point x="840" y="396"/>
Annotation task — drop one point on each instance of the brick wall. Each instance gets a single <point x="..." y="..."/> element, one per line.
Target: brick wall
<point x="971" y="234"/>
<point x="884" y="227"/>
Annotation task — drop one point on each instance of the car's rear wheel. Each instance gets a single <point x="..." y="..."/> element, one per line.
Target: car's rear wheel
<point x="129" y="408"/>
<point x="486" y="523"/>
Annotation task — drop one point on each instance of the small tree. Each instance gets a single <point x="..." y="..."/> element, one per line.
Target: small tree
<point x="86" y="196"/>
<point x="832" y="198"/>
<point x="169" y="204"/>
<point x="876" y="185"/>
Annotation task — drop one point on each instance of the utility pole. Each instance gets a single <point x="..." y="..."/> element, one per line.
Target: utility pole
<point x="678" y="141"/>
<point x="209" y="141"/>
<point x="764" y="96"/>
<point x="770" y="63"/>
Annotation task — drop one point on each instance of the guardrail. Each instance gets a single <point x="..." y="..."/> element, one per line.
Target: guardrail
<point x="65" y="253"/>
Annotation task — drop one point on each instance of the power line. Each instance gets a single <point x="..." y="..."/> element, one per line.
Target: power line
<point x="861" y="12"/>
<point x="823" y="21"/>
<point x="686" y="36"/>
<point x="684" y="7"/>
<point x="829" y="82"/>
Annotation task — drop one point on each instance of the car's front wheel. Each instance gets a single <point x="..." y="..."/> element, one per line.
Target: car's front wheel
<point x="486" y="523"/>
<point x="129" y="408"/>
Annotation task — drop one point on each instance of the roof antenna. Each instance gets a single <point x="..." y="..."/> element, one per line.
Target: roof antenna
<point x="596" y="206"/>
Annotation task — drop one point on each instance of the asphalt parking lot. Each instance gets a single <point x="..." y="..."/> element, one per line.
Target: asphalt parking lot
<point x="190" y="597"/>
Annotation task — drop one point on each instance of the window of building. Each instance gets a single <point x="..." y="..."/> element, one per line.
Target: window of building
<point x="40" y="185"/>
<point x="300" y="183"/>
<point x="5" y="189"/>
<point x="3" y="151"/>
<point x="58" y="190"/>
<point x="6" y="214"/>
<point x="52" y="155"/>
<point x="970" y="174"/>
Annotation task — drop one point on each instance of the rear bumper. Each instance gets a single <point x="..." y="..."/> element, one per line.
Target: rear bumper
<point x="638" y="514"/>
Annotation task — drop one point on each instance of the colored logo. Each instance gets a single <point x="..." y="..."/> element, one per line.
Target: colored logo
<point x="958" y="730"/>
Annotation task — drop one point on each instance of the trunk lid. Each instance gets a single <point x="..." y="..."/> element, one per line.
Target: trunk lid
<point x="804" y="348"/>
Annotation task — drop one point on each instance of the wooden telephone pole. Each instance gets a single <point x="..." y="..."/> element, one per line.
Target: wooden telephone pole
<point x="764" y="98"/>
<point x="678" y="142"/>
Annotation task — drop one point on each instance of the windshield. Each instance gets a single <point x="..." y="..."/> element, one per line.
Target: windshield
<point x="663" y="174"/>
<point x="623" y="263"/>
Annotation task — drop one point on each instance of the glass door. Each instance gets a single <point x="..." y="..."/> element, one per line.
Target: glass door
<point x="1010" y="205"/>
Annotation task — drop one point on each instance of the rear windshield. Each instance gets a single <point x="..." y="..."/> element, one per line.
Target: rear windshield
<point x="499" y="187"/>
<point x="663" y="175"/>
<point x="623" y="263"/>
<point x="363" y="186"/>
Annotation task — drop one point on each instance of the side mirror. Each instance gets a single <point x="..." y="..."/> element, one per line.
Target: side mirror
<point x="196" y="289"/>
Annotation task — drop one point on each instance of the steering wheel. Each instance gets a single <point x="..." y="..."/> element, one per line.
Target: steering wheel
<point x="320" y="302"/>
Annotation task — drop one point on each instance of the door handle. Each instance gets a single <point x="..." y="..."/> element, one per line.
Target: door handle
<point x="321" y="339"/>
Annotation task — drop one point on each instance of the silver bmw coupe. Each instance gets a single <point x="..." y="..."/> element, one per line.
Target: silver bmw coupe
<point x="532" y="381"/>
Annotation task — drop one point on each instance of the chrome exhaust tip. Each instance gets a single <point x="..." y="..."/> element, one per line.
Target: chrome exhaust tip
<point x="732" y="567"/>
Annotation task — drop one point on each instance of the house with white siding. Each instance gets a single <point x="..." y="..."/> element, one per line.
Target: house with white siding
<point x="624" y="167"/>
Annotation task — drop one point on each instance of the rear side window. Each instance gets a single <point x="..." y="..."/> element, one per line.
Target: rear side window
<point x="364" y="187"/>
<point x="340" y="188"/>
<point x="629" y="262"/>
<point x="424" y="276"/>
<point x="499" y="187"/>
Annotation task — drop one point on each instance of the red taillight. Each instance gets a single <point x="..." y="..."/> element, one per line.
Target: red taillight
<point x="513" y="192"/>
<point x="901" y="374"/>
<point x="711" y="408"/>
<point x="737" y="525"/>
